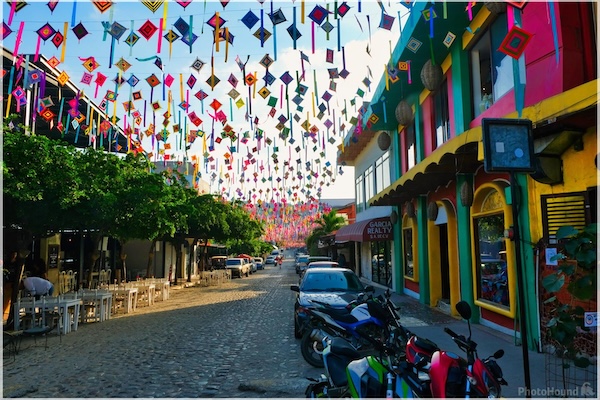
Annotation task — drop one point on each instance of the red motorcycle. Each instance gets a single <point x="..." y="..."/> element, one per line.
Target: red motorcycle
<point x="453" y="376"/>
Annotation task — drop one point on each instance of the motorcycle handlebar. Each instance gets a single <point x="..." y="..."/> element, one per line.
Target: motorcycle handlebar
<point x="451" y="332"/>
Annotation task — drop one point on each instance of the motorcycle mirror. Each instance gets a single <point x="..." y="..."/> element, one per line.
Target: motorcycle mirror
<point x="498" y="354"/>
<point x="464" y="309"/>
<point x="295" y="288"/>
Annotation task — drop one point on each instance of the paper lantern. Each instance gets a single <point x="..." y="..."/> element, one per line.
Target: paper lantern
<point x="495" y="7"/>
<point x="466" y="194"/>
<point x="404" y="113"/>
<point x="432" y="211"/>
<point x="384" y="140"/>
<point x="431" y="75"/>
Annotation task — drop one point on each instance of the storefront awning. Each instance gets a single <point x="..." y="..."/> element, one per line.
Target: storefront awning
<point x="369" y="230"/>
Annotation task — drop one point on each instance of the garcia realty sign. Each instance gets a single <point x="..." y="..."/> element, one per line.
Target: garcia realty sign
<point x="379" y="229"/>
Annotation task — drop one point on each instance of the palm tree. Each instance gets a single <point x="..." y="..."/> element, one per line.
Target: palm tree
<point x="328" y="223"/>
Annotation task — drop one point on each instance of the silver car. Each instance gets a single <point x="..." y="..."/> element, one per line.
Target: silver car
<point x="238" y="266"/>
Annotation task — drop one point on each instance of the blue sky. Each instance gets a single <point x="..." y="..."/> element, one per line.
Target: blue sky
<point x="251" y="174"/>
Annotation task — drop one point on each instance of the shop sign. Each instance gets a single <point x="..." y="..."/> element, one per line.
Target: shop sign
<point x="379" y="230"/>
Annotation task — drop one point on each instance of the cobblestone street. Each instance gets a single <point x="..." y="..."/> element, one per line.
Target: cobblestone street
<point x="235" y="340"/>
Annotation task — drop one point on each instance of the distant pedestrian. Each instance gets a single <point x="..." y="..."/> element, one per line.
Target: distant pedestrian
<point x="279" y="260"/>
<point x="341" y="260"/>
<point x="37" y="286"/>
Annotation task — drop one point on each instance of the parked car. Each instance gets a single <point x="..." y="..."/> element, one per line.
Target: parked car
<point x="301" y="260"/>
<point x="270" y="260"/>
<point x="258" y="261"/>
<point x="218" y="262"/>
<point x="310" y="259"/>
<point x="335" y="286"/>
<point x="238" y="266"/>
<point x="250" y="260"/>
<point x="319" y="264"/>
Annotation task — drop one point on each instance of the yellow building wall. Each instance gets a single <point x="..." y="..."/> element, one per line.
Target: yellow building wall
<point x="579" y="173"/>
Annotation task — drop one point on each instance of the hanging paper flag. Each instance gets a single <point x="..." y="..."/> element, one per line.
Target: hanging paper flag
<point x="277" y="17"/>
<point x="46" y="32"/>
<point x="413" y="44"/>
<point x="329" y="56"/>
<point x="343" y="9"/>
<point x="63" y="78"/>
<point x="189" y="41"/>
<point x="515" y="42"/>
<point x="169" y="80"/>
<point x="449" y="39"/>
<point x="184" y="3"/>
<point x="286" y="78"/>
<point x="171" y="36"/>
<point x="318" y="14"/>
<point x="152" y="5"/>
<point x="182" y="26"/>
<point x="201" y="95"/>
<point x="152" y="80"/>
<point x="250" y="19"/>
<point x="262" y="32"/>
<point x="132" y="39"/>
<point x="266" y="61"/>
<point x="213" y="81"/>
<point x="327" y="26"/>
<point x="294" y="32"/>
<point x="87" y="78"/>
<point x="133" y="80"/>
<point x="53" y="62"/>
<point x="233" y="81"/>
<point x="147" y="29"/>
<point x="122" y="64"/>
<point x="216" y="20"/>
<point x="102" y="5"/>
<point x="116" y="30"/>
<point x="52" y="5"/>
<point x="387" y="21"/>
<point x="197" y="65"/>
<point x="58" y="39"/>
<point x="191" y="81"/>
<point x="5" y="30"/>
<point x="80" y="31"/>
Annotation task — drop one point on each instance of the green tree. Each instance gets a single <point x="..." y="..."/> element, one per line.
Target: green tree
<point x="325" y="225"/>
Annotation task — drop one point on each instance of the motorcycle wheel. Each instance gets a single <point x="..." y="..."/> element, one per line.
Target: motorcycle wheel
<point x="312" y="350"/>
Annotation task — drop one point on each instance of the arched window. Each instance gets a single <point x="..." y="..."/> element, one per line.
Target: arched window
<point x="493" y="269"/>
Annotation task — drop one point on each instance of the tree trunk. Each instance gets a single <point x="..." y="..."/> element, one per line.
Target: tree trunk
<point x="123" y="257"/>
<point x="151" y="255"/>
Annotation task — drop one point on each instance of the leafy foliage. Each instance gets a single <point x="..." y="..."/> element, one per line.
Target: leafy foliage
<point x="577" y="269"/>
<point x="329" y="222"/>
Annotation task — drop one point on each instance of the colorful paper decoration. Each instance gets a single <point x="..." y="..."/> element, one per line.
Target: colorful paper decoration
<point x="197" y="64"/>
<point x="63" y="78"/>
<point x="215" y="104"/>
<point x="122" y="64"/>
<point x="277" y="17"/>
<point x="58" y="39"/>
<point x="52" y="5"/>
<point x="187" y="40"/>
<point x="449" y="39"/>
<point x="153" y="5"/>
<point x="233" y="94"/>
<point x="171" y="36"/>
<point x="132" y="39"/>
<point x="318" y="14"/>
<point x="427" y="13"/>
<point x="147" y="29"/>
<point x="265" y="34"/>
<point x="102" y="5"/>
<point x="169" y="80"/>
<point x="5" y="30"/>
<point x="87" y="78"/>
<point x="116" y="30"/>
<point x="201" y="95"/>
<point x="269" y="78"/>
<point x="184" y="3"/>
<point x="133" y="80"/>
<point x="387" y="21"/>
<point x="233" y="80"/>
<point x="327" y="26"/>
<point x="414" y="44"/>
<point x="515" y="42"/>
<point x="213" y="21"/>
<point x="152" y="80"/>
<point x="250" y="19"/>
<point x="79" y="31"/>
<point x="191" y="81"/>
<point x="250" y="80"/>
<point x="47" y="114"/>
<point x="294" y="32"/>
<point x="266" y="61"/>
<point x="286" y="78"/>
<point x="46" y="31"/>
<point x="517" y="4"/>
<point x="137" y="95"/>
<point x="343" y="9"/>
<point x="264" y="92"/>
<point x="213" y="81"/>
<point x="182" y="26"/>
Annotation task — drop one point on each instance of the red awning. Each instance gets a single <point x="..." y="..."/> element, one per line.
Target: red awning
<point x="370" y="230"/>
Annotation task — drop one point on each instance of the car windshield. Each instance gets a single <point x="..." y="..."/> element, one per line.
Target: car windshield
<point x="303" y="259"/>
<point x="234" y="262"/>
<point x="329" y="281"/>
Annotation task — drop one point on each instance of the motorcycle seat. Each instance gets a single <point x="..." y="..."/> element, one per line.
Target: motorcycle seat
<point x="343" y="348"/>
<point x="426" y="345"/>
<point x="341" y="315"/>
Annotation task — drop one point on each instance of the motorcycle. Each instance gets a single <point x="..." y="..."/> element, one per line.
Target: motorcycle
<point x="453" y="376"/>
<point x="357" y="325"/>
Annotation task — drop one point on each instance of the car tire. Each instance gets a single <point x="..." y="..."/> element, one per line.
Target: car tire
<point x="247" y="274"/>
<point x="312" y="350"/>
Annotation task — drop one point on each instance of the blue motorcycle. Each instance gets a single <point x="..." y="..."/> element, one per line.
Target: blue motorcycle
<point x="362" y="325"/>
